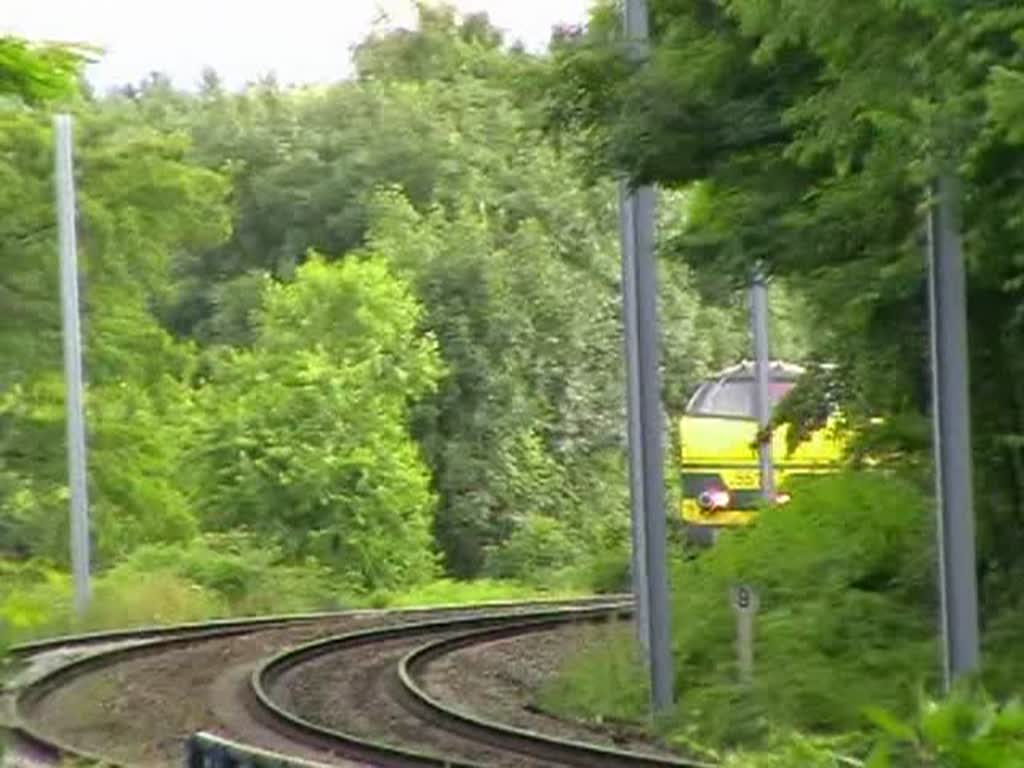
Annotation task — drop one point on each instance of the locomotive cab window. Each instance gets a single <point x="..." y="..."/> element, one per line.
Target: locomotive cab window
<point x="735" y="398"/>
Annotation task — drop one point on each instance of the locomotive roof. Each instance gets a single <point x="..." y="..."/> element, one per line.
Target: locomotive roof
<point x="780" y="369"/>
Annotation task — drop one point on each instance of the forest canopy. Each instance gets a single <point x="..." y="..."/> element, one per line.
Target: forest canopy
<point x="375" y="324"/>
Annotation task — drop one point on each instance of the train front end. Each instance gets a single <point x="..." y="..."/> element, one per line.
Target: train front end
<point x="720" y="474"/>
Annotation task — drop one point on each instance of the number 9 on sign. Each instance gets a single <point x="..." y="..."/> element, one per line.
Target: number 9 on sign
<point x="744" y="598"/>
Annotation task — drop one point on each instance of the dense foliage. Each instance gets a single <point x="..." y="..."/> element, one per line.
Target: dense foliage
<point x="141" y="202"/>
<point x="844" y="645"/>
<point x="847" y="611"/>
<point x="807" y="134"/>
<point x="316" y="456"/>
<point x="374" y="326"/>
<point x="967" y="730"/>
<point x="35" y="73"/>
<point x="342" y="341"/>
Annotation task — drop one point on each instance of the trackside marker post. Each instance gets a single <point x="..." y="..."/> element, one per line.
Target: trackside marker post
<point x="745" y="604"/>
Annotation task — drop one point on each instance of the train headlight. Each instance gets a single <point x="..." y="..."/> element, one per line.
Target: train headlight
<point x="714" y="498"/>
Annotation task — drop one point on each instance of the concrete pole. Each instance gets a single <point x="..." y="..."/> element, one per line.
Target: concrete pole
<point x="629" y="224"/>
<point x="65" y="183"/>
<point x="763" y="403"/>
<point x="952" y="434"/>
<point x="640" y="303"/>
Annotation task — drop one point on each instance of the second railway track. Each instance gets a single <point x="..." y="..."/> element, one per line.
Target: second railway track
<point x="349" y="690"/>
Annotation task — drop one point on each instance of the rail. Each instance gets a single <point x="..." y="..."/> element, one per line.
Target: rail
<point x="148" y="640"/>
<point x="473" y="630"/>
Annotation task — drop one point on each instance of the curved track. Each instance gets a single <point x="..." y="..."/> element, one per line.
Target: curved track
<point x="415" y="664"/>
<point x="96" y="651"/>
<point x="388" y="716"/>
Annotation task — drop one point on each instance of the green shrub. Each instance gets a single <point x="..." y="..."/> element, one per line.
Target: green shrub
<point x="793" y="750"/>
<point x="129" y="598"/>
<point x="845" y="578"/>
<point x="248" y="575"/>
<point x="212" y="576"/>
<point x="847" y="618"/>
<point x="42" y="602"/>
<point x="1003" y="662"/>
<point x="541" y="551"/>
<point x="966" y="730"/>
<point x="33" y="594"/>
<point x="611" y="693"/>
<point x="608" y="572"/>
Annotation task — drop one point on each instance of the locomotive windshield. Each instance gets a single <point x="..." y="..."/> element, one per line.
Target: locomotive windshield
<point x="735" y="397"/>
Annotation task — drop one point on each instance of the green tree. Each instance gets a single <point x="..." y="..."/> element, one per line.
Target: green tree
<point x="514" y="257"/>
<point x="531" y="400"/>
<point x="304" y="438"/>
<point x="806" y="134"/>
<point x="198" y="214"/>
<point x="38" y="73"/>
<point x="442" y="47"/>
<point x="140" y="202"/>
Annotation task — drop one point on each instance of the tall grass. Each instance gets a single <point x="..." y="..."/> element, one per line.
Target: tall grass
<point x="452" y="592"/>
<point x="214" y="578"/>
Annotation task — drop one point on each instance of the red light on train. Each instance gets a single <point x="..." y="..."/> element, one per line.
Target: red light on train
<point x="714" y="498"/>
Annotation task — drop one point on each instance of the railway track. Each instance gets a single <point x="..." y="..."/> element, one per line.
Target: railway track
<point x="351" y="689"/>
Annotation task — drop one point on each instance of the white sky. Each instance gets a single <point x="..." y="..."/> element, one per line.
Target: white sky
<point x="300" y="40"/>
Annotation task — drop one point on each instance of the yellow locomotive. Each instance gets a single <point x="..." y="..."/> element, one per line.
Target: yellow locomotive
<point x="718" y="450"/>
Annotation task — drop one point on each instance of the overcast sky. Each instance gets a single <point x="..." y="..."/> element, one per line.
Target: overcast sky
<point x="300" y="40"/>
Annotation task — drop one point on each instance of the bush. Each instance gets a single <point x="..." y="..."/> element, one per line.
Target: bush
<point x="845" y="578"/>
<point x="610" y="693"/>
<point x="33" y="594"/>
<point x="608" y="572"/>
<point x="247" y="576"/>
<point x="540" y="551"/>
<point x="41" y="603"/>
<point x="790" y="750"/>
<point x="1003" y="662"/>
<point x="128" y="598"/>
<point x="212" y="576"/>
<point x="304" y="437"/>
<point x="967" y="730"/>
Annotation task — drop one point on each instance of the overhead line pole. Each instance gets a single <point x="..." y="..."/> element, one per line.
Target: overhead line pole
<point x="759" y="324"/>
<point x="628" y="206"/>
<point x="640" y="307"/>
<point x="77" y="482"/>
<point x="958" y="583"/>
